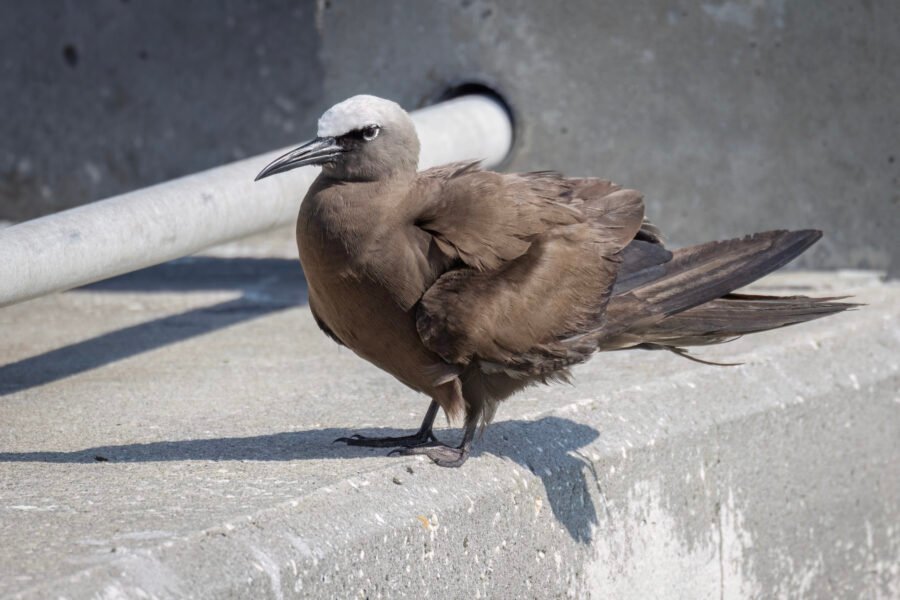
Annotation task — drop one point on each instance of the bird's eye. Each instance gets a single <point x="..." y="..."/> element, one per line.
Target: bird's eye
<point x="370" y="132"/>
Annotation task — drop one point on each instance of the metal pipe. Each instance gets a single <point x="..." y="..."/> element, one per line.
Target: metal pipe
<point x="183" y="216"/>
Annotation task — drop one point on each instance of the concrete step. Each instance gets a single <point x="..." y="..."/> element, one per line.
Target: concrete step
<point x="168" y="434"/>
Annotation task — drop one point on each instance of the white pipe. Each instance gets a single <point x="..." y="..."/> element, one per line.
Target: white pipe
<point x="183" y="216"/>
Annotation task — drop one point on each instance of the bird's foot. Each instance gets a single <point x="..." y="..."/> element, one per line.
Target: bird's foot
<point x="418" y="439"/>
<point x="441" y="454"/>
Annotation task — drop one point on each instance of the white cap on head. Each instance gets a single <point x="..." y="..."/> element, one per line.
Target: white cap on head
<point x="355" y="113"/>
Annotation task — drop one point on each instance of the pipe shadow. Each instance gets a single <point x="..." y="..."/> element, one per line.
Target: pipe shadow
<point x="268" y="286"/>
<point x="208" y="273"/>
<point x="547" y="447"/>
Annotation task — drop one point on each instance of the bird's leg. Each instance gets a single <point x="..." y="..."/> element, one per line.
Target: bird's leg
<point x="421" y="438"/>
<point x="442" y="454"/>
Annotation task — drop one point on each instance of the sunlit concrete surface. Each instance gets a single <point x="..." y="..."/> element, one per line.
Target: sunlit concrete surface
<point x="168" y="434"/>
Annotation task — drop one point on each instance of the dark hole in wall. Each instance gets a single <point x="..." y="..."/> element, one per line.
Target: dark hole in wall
<point x="70" y="54"/>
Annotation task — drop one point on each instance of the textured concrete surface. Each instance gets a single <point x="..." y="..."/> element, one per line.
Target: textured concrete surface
<point x="168" y="434"/>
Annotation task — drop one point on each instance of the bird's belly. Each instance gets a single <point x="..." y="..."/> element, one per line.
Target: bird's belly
<point x="369" y="322"/>
<point x="360" y="311"/>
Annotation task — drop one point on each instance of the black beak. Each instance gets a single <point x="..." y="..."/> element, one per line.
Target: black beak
<point x="316" y="152"/>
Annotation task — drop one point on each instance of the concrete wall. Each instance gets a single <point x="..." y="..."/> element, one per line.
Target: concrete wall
<point x="730" y="116"/>
<point x="100" y="98"/>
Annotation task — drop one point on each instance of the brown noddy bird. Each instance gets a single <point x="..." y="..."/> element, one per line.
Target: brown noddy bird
<point x="469" y="285"/>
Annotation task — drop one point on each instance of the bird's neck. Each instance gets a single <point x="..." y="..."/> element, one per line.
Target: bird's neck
<point x="341" y="203"/>
<point x="349" y="173"/>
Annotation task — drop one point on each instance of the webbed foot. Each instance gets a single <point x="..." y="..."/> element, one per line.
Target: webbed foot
<point x="406" y="441"/>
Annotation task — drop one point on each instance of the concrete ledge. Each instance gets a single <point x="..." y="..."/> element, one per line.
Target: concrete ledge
<point x="168" y="435"/>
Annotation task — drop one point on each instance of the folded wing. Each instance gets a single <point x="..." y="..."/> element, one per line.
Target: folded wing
<point x="537" y="258"/>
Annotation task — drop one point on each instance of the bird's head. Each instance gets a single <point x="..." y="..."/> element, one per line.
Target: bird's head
<point x="363" y="138"/>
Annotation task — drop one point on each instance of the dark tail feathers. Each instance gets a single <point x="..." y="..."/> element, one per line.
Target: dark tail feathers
<point x="735" y="315"/>
<point x="690" y="304"/>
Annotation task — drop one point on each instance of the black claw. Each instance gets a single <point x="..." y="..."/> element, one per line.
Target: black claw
<point x="345" y="440"/>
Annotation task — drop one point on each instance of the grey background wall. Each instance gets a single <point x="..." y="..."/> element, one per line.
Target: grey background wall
<point x="99" y="98"/>
<point x="731" y="116"/>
